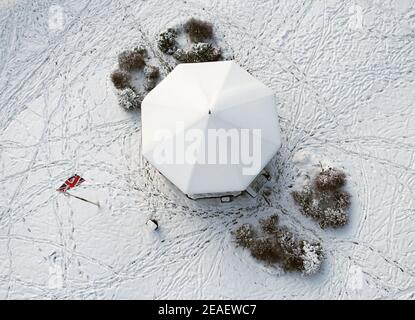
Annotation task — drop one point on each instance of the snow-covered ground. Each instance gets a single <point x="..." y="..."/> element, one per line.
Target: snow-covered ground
<point x="343" y="73"/>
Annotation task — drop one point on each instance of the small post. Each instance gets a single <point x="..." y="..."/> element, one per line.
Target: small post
<point x="66" y="193"/>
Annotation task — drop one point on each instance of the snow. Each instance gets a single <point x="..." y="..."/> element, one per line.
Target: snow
<point x="346" y="95"/>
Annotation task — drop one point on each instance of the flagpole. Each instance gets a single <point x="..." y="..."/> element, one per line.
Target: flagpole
<point x="83" y="199"/>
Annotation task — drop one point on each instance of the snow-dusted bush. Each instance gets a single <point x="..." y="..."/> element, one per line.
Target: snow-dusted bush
<point x="291" y="258"/>
<point x="323" y="200"/>
<point x="330" y="179"/>
<point x="181" y="55"/>
<point x="203" y="46"/>
<point x="129" y="99"/>
<point x="167" y="41"/>
<point x="198" y="30"/>
<point x="269" y="225"/>
<point x="336" y="214"/>
<point x="312" y="257"/>
<point x="277" y="244"/>
<point x="131" y="96"/>
<point x="199" y="52"/>
<point x="308" y="204"/>
<point x="329" y="208"/>
<point x="132" y="59"/>
<point x="244" y="235"/>
<point x="121" y="79"/>
<point x="151" y="77"/>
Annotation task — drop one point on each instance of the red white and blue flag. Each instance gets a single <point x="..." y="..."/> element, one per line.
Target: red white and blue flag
<point x="70" y="183"/>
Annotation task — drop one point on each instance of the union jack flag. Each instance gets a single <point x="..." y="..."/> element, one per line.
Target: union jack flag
<point x="70" y="183"/>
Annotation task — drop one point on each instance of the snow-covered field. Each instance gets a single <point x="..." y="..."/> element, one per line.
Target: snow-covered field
<point x="343" y="73"/>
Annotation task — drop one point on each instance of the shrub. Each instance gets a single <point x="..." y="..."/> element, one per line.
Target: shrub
<point x="129" y="99"/>
<point x="121" y="79"/>
<point x="151" y="76"/>
<point x="167" y="41"/>
<point x="342" y="199"/>
<point x="151" y="72"/>
<point x="198" y="30"/>
<point x="323" y="200"/>
<point x="330" y="179"/>
<point x="290" y="246"/>
<point x="244" y="235"/>
<point x="181" y="55"/>
<point x="292" y="262"/>
<point x="266" y="250"/>
<point x="329" y="208"/>
<point x="286" y="240"/>
<point x="279" y="245"/>
<point x="199" y="52"/>
<point x="305" y="199"/>
<point x="132" y="59"/>
<point x="269" y="225"/>
<point x="333" y="218"/>
<point x="312" y="256"/>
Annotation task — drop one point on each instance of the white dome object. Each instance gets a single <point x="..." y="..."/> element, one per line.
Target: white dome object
<point x="201" y="97"/>
<point x="152" y="225"/>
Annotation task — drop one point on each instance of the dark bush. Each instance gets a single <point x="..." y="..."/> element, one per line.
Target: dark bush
<point x="305" y="199"/>
<point x="132" y="59"/>
<point x="329" y="208"/>
<point x="244" y="235"/>
<point x="291" y="262"/>
<point x="198" y="30"/>
<point x="279" y="245"/>
<point x="330" y="179"/>
<point x="342" y="199"/>
<point x="121" y="79"/>
<point x="151" y="72"/>
<point x="266" y="249"/>
<point x="323" y="200"/>
<point x="291" y="259"/>
<point x="269" y="225"/>
<point x="286" y="240"/>
<point x="200" y="52"/>
<point x="167" y="41"/>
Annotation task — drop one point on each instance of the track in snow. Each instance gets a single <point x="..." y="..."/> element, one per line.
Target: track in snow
<point x="345" y="95"/>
